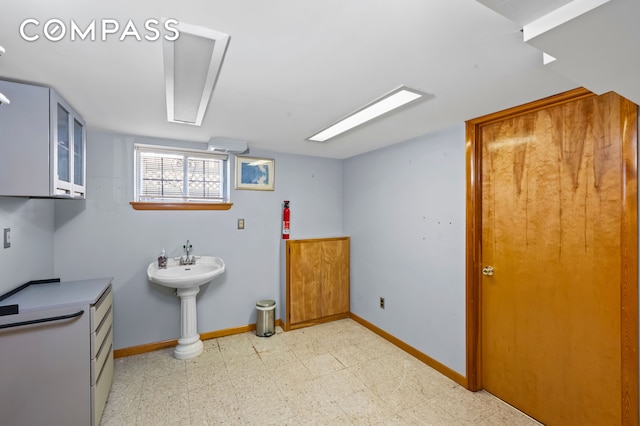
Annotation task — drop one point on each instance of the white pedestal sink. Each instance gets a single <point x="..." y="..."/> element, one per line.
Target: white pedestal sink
<point x="187" y="279"/>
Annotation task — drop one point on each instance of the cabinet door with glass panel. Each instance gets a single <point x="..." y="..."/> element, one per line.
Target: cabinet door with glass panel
<point x="68" y="142"/>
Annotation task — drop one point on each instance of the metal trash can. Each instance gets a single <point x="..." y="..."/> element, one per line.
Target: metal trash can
<point x="266" y="323"/>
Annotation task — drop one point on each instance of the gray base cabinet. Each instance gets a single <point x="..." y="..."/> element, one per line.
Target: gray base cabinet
<point x="56" y="354"/>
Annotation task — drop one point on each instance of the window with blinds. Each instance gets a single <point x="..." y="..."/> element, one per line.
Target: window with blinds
<point x="178" y="175"/>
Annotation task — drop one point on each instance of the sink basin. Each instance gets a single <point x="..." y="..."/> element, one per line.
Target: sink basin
<point x="186" y="276"/>
<point x="187" y="279"/>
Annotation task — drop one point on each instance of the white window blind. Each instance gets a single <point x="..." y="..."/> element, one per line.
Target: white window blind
<point x="178" y="175"/>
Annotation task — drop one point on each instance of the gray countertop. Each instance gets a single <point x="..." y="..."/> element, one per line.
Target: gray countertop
<point x="38" y="297"/>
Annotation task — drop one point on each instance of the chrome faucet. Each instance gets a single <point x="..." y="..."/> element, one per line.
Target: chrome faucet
<point x="189" y="260"/>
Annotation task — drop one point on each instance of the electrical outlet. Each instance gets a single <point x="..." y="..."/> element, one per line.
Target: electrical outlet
<point x="7" y="237"/>
<point x="382" y="303"/>
<point x="240" y="223"/>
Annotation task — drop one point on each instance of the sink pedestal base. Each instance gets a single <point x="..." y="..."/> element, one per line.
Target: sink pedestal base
<point x="189" y="343"/>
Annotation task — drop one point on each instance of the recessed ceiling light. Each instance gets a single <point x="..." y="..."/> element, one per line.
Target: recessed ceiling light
<point x="387" y="103"/>
<point x="191" y="67"/>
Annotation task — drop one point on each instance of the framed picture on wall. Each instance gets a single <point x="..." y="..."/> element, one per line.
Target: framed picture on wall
<point x="255" y="173"/>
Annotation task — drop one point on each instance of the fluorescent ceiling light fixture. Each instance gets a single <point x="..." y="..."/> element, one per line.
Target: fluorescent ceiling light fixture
<point x="387" y="103"/>
<point x="192" y="64"/>
<point x="560" y="16"/>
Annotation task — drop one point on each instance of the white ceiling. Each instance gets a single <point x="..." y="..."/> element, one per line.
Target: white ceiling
<point x="293" y="67"/>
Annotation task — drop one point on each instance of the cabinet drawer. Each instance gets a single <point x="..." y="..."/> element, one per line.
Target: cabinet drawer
<point x="100" y="309"/>
<point x="100" y="391"/>
<point x="98" y="337"/>
<point x="105" y="353"/>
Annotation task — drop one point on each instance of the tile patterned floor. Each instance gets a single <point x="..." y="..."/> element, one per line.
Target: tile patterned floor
<point x="338" y="373"/>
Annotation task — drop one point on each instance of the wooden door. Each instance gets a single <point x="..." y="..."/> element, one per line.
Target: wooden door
<point x="304" y="275"/>
<point x="335" y="276"/>
<point x="558" y="318"/>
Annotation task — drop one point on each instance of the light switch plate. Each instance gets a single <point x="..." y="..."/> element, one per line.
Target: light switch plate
<point x="240" y="223"/>
<point x="7" y="237"/>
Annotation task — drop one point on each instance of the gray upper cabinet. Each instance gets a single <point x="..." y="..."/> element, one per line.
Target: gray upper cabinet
<point x="42" y="144"/>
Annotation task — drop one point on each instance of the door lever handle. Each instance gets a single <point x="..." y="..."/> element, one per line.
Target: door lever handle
<point x="487" y="271"/>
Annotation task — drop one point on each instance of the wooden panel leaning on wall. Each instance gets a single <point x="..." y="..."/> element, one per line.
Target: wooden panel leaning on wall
<point x="317" y="281"/>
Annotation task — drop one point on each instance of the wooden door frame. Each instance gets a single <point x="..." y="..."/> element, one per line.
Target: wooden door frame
<point x="629" y="249"/>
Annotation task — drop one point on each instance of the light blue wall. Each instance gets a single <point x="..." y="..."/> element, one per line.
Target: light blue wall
<point x="404" y="208"/>
<point x="105" y="236"/>
<point x="414" y="259"/>
<point x="30" y="256"/>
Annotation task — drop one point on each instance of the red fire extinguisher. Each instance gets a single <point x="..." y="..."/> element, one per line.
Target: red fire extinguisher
<point x="285" y="220"/>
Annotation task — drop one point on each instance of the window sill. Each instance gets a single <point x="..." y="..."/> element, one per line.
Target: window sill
<point x="180" y="206"/>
